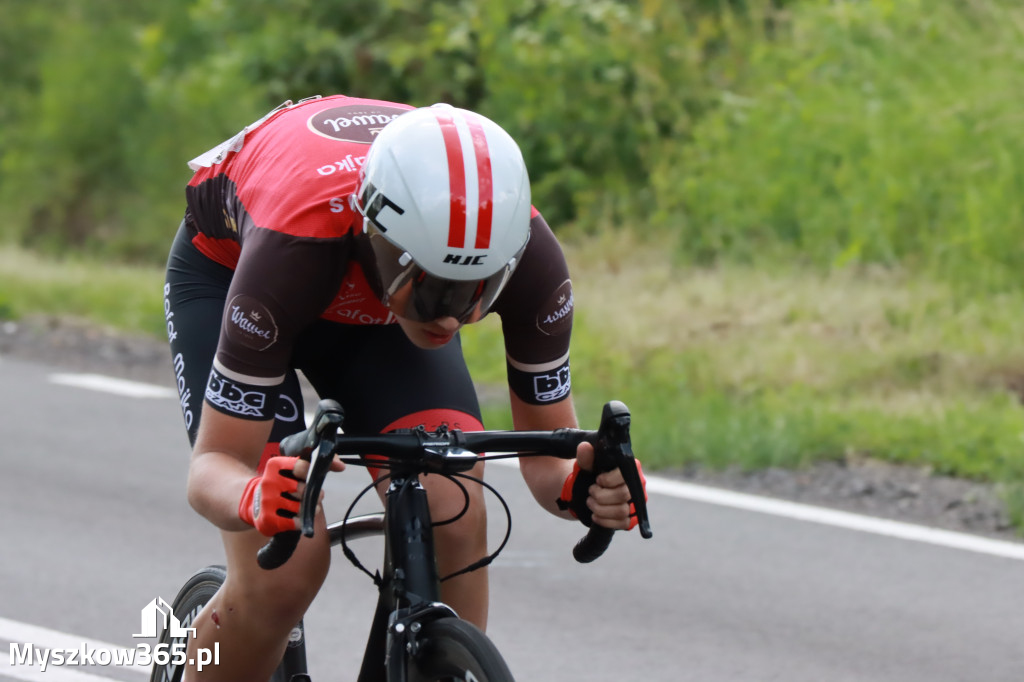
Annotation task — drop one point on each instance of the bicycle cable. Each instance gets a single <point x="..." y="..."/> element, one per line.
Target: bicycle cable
<point x="376" y="463"/>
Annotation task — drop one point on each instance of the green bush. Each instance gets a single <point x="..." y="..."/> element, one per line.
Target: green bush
<point x="825" y="132"/>
<point x="865" y="132"/>
<point x="106" y="108"/>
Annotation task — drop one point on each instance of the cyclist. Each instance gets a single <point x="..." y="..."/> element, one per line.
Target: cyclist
<point x="350" y="239"/>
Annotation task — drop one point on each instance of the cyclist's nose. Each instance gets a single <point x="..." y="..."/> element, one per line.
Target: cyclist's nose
<point x="450" y="325"/>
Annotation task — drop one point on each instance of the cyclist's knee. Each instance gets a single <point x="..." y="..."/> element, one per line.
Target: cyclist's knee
<point x="281" y="595"/>
<point x="468" y="531"/>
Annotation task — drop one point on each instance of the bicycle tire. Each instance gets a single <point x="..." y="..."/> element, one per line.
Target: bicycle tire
<point x="187" y="604"/>
<point x="454" y="650"/>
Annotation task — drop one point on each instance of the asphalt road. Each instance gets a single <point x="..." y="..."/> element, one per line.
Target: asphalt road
<point x="95" y="525"/>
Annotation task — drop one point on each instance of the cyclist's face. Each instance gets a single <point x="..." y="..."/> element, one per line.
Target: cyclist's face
<point x="433" y="334"/>
<point x="417" y="299"/>
<point x="428" y="335"/>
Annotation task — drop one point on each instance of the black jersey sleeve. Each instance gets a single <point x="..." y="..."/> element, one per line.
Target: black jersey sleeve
<point x="536" y="318"/>
<point x="282" y="283"/>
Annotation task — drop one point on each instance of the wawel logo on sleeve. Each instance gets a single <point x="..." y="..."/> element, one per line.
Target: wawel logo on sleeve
<point x="555" y="316"/>
<point x="250" y="323"/>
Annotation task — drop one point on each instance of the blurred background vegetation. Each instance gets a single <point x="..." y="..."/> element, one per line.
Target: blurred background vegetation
<point x="826" y="131"/>
<point x="799" y="222"/>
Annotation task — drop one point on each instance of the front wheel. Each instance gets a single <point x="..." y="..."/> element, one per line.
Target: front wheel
<point x="453" y="650"/>
<point x="191" y="599"/>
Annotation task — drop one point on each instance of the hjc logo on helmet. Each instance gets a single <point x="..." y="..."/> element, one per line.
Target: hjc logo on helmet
<point x="375" y="202"/>
<point x="456" y="259"/>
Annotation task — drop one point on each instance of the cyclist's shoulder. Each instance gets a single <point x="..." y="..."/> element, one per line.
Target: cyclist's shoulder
<point x="293" y="170"/>
<point x="542" y="272"/>
<point x="536" y="308"/>
<point x="313" y="142"/>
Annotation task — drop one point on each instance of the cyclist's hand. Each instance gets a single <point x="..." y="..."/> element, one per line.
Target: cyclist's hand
<point x="603" y="499"/>
<point x="271" y="501"/>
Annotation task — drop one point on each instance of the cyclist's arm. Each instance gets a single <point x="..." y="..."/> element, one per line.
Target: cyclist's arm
<point x="268" y="307"/>
<point x="544" y="475"/>
<point x="224" y="459"/>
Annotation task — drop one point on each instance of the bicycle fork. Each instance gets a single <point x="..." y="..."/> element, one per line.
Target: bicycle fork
<point x="410" y="587"/>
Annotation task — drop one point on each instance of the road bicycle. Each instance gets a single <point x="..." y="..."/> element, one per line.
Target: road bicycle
<point x="414" y="636"/>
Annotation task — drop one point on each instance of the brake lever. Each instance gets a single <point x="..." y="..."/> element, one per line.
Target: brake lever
<point x="613" y="450"/>
<point x="321" y="436"/>
<point x="326" y="425"/>
<point x="301" y="444"/>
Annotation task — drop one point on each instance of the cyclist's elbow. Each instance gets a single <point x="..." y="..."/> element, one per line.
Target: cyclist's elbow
<point x="193" y="491"/>
<point x="197" y="491"/>
<point x="211" y="492"/>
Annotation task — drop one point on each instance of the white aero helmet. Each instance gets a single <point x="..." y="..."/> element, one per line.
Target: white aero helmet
<point x="445" y="200"/>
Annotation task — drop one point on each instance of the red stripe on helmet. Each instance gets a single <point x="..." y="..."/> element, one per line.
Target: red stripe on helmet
<point x="485" y="183"/>
<point x="456" y="183"/>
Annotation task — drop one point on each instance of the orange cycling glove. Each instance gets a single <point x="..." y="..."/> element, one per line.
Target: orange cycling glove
<point x="269" y="502"/>
<point x="576" y="490"/>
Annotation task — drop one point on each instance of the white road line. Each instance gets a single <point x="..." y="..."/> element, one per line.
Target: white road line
<point x="683" y="490"/>
<point x="52" y="674"/>
<point x="838" y="519"/>
<point x="14" y="631"/>
<point x="820" y="515"/>
<point x="123" y="387"/>
<point x="828" y="517"/>
<point x="45" y="638"/>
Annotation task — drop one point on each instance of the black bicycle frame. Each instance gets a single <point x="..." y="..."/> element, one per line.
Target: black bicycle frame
<point x="410" y="587"/>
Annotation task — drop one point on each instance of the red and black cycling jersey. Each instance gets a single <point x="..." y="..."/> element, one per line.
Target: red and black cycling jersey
<point x="272" y="204"/>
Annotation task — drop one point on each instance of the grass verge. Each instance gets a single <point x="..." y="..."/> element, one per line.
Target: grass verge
<point x="118" y="296"/>
<point x="736" y="366"/>
<point x="725" y="367"/>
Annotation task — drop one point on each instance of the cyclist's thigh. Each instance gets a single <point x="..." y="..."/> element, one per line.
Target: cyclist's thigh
<point x="195" y="291"/>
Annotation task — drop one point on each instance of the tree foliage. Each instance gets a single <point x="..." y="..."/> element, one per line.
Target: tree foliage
<point x="868" y="132"/>
<point x="830" y="131"/>
<point x="105" y="109"/>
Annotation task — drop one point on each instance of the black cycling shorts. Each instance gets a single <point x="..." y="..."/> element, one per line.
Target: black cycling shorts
<point x="380" y="378"/>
